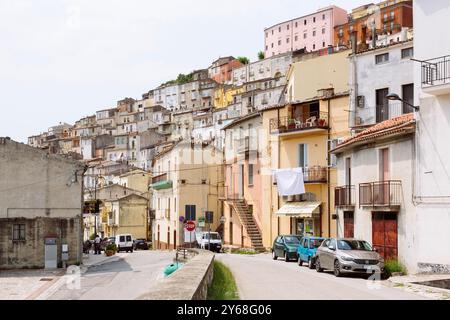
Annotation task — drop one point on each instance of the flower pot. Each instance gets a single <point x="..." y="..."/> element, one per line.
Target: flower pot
<point x="110" y="253"/>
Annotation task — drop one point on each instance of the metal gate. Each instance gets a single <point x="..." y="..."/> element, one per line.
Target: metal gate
<point x="51" y="253"/>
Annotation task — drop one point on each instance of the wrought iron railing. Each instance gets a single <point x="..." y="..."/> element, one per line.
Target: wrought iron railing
<point x="312" y="120"/>
<point x="344" y="196"/>
<point x="382" y="193"/>
<point x="315" y="174"/>
<point x="436" y="71"/>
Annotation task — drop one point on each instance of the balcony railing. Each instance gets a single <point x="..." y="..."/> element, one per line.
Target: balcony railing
<point x="436" y="71"/>
<point x="344" y="196"/>
<point x="380" y="194"/>
<point x="315" y="174"/>
<point x="313" y="120"/>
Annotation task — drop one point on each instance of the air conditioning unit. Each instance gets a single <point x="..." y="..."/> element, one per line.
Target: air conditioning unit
<point x="360" y="101"/>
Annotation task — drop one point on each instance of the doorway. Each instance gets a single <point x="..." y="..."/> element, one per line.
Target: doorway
<point x="349" y="224"/>
<point x="385" y="234"/>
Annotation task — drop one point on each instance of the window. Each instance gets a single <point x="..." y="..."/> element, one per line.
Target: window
<point x="18" y="232"/>
<point x="323" y="17"/>
<point x="272" y="32"/>
<point x="304" y="22"/>
<point x="408" y="96"/>
<point x="267" y="35"/>
<point x="314" y="47"/>
<point x="296" y="38"/>
<point x="305" y="35"/>
<point x="279" y="29"/>
<point x="272" y="45"/>
<point x="323" y="30"/>
<point x="314" y="19"/>
<point x="267" y="47"/>
<point x="296" y="24"/>
<point x="314" y="33"/>
<point x="303" y="155"/>
<point x="250" y="174"/>
<point x="382" y="58"/>
<point x="287" y="40"/>
<point x="323" y="44"/>
<point x="279" y="42"/>
<point x="407" y="53"/>
<point x="190" y="212"/>
<point x="287" y="27"/>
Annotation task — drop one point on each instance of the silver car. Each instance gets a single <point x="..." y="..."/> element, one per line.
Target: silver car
<point x="348" y="256"/>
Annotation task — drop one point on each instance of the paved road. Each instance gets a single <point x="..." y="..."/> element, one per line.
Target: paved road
<point x="261" y="278"/>
<point x="130" y="277"/>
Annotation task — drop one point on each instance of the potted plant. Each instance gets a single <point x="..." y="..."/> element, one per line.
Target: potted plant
<point x="110" y="250"/>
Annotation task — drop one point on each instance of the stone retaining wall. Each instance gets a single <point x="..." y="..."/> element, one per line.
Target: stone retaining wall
<point x="188" y="283"/>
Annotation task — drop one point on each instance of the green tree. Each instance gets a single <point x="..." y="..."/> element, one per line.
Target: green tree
<point x="243" y="60"/>
<point x="261" y="55"/>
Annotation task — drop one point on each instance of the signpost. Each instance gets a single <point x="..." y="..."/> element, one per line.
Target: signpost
<point x="209" y="215"/>
<point x="190" y="227"/>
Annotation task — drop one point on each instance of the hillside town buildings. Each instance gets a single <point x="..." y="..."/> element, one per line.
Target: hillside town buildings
<point x="355" y="101"/>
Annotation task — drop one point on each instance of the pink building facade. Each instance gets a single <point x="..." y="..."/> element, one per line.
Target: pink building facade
<point x="312" y="32"/>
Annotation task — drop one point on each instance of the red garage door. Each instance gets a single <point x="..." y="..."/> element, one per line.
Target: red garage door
<point x="385" y="234"/>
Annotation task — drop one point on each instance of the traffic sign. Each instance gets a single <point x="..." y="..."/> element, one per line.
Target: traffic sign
<point x="182" y="219"/>
<point x="190" y="226"/>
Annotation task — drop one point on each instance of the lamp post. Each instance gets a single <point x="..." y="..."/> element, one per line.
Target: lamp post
<point x="395" y="97"/>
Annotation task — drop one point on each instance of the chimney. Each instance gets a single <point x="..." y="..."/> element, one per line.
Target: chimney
<point x="354" y="42"/>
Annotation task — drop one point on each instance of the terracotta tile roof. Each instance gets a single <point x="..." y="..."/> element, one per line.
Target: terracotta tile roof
<point x="388" y="127"/>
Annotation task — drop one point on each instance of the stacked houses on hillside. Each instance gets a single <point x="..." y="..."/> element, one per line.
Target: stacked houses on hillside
<point x="321" y="101"/>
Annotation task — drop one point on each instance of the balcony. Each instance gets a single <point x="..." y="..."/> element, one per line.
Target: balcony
<point x="344" y="196"/>
<point x="246" y="144"/>
<point x="161" y="182"/>
<point x="316" y="174"/>
<point x="380" y="194"/>
<point x="312" y="120"/>
<point x="436" y="76"/>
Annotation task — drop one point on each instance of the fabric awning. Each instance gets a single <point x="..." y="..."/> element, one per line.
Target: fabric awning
<point x="304" y="209"/>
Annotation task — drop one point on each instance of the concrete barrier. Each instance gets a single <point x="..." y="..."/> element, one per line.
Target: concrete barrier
<point x="188" y="283"/>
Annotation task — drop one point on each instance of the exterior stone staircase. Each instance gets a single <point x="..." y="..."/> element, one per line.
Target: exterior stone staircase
<point x="249" y="224"/>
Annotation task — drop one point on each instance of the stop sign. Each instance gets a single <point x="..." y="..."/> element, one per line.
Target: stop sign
<point x="190" y="226"/>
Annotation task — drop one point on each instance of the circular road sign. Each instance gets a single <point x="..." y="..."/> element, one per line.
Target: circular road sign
<point x="190" y="226"/>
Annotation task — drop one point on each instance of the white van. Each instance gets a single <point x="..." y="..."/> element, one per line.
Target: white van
<point x="124" y="242"/>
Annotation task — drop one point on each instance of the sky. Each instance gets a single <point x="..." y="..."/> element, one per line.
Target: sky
<point x="61" y="60"/>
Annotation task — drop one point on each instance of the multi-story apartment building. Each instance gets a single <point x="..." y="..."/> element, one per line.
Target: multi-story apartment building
<point x="187" y="178"/>
<point x="375" y="74"/>
<point x="271" y="67"/>
<point x="371" y="21"/>
<point x="311" y="32"/>
<point x="221" y="69"/>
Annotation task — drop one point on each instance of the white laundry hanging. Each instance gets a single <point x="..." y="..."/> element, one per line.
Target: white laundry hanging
<point x="289" y="181"/>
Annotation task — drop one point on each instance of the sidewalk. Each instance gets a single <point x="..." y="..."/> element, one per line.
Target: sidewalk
<point x="91" y="260"/>
<point x="409" y="283"/>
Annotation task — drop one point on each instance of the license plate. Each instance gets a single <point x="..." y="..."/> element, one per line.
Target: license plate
<point x="368" y="267"/>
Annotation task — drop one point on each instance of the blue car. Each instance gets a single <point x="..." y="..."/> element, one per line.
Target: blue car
<point x="307" y="249"/>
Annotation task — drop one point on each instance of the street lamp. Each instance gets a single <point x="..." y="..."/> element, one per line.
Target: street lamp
<point x="395" y="97"/>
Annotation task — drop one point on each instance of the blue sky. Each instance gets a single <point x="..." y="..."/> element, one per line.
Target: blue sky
<point x="61" y="60"/>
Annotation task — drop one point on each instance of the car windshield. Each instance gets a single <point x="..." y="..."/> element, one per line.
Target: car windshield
<point x="214" y="236"/>
<point x="315" y="243"/>
<point x="292" y="240"/>
<point x="354" y="245"/>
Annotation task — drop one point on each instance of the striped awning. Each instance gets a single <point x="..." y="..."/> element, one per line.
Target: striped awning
<point x="304" y="209"/>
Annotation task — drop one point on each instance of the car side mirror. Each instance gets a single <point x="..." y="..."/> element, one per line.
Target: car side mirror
<point x="332" y="248"/>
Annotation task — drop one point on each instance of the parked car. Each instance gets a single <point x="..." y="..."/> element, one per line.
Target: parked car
<point x="348" y="256"/>
<point x="124" y="242"/>
<point x="211" y="241"/>
<point x="140" y="244"/>
<point x="307" y="250"/>
<point x="286" y="246"/>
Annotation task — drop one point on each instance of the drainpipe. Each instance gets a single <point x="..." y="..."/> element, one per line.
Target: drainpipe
<point x="329" y="170"/>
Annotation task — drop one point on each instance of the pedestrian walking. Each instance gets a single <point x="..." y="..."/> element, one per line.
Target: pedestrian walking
<point x="97" y="242"/>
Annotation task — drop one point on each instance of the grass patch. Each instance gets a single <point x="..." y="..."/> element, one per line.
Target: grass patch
<point x="223" y="286"/>
<point x="399" y="285"/>
<point x="243" y="251"/>
<point x="393" y="266"/>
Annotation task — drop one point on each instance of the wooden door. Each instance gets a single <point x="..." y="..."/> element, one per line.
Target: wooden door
<point x="385" y="234"/>
<point x="349" y="224"/>
<point x="231" y="233"/>
<point x="382" y="105"/>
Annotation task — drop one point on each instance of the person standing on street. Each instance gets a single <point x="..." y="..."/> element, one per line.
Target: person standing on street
<point x="97" y="241"/>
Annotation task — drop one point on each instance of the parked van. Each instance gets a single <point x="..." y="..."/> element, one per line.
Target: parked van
<point x="124" y="242"/>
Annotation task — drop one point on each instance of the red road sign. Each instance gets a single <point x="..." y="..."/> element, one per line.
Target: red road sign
<point x="190" y="226"/>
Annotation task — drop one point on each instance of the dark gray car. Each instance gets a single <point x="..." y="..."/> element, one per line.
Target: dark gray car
<point x="348" y="256"/>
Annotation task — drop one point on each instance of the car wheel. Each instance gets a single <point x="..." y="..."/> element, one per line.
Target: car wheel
<point x="131" y="250"/>
<point x="274" y="255"/>
<point x="337" y="268"/>
<point x="300" y="262"/>
<point x="311" y="263"/>
<point x="318" y="268"/>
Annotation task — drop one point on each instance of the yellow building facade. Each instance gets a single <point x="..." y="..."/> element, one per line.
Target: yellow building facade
<point x="224" y="96"/>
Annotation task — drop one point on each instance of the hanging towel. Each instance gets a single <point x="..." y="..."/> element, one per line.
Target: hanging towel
<point x="289" y="181"/>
